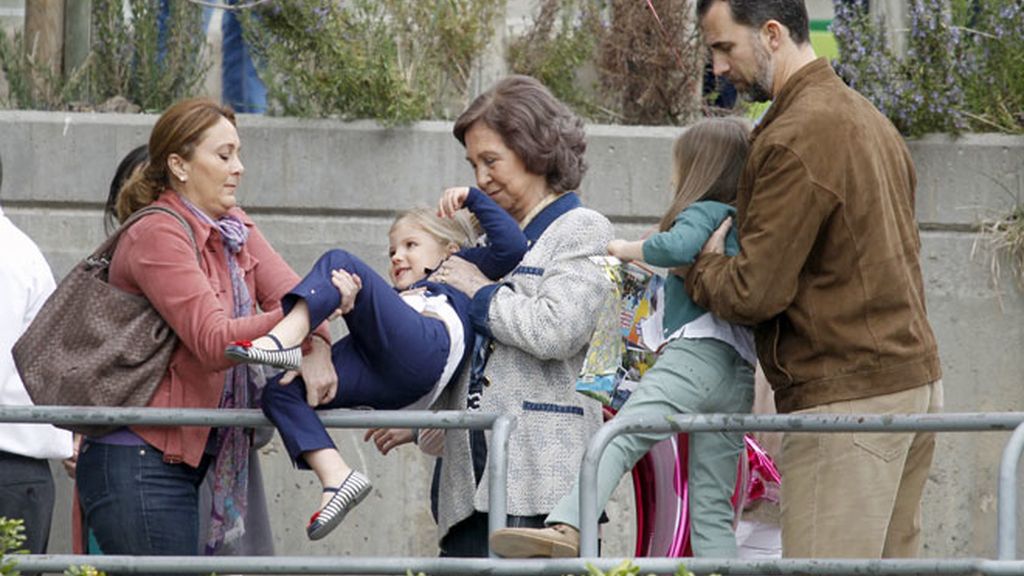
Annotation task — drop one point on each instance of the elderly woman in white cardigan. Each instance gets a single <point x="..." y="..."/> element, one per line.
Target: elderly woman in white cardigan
<point x="526" y="149"/>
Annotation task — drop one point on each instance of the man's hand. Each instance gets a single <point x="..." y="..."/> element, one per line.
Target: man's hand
<point x="716" y="243"/>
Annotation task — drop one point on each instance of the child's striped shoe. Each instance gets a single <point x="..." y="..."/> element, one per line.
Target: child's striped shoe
<point x="284" y="358"/>
<point x="351" y="492"/>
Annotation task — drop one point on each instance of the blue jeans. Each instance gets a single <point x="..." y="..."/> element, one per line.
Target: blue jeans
<point x="241" y="87"/>
<point x="137" y="504"/>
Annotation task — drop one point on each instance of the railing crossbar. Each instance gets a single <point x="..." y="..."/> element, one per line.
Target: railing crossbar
<point x="696" y="423"/>
<point x="532" y="567"/>
<point x="501" y="427"/>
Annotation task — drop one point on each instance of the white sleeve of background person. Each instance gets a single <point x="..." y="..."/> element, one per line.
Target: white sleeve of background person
<point x="25" y="283"/>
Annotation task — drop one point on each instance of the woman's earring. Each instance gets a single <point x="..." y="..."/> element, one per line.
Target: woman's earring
<point x="182" y="177"/>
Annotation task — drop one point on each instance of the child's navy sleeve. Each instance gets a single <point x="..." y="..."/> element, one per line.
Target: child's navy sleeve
<point x="506" y="244"/>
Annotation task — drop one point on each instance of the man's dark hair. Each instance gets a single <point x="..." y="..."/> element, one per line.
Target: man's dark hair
<point x="754" y="13"/>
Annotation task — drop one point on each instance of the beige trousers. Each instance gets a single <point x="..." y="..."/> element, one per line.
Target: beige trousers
<point x="858" y="495"/>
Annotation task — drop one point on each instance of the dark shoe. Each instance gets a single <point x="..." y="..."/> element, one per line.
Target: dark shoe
<point x="283" y="358"/>
<point x="558" y="541"/>
<point x="351" y="492"/>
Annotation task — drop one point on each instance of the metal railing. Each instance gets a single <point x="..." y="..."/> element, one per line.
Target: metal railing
<point x="963" y="422"/>
<point x="501" y="427"/>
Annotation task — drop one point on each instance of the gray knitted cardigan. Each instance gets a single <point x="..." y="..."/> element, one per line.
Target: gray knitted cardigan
<point x="542" y="321"/>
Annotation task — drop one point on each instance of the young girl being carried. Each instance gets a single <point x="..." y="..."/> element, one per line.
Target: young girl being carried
<point x="706" y="366"/>
<point x="406" y="340"/>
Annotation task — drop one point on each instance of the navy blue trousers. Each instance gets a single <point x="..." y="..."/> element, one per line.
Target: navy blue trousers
<point x="391" y="357"/>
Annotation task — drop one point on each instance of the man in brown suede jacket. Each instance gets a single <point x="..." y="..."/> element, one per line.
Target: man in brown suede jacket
<point x="829" y="276"/>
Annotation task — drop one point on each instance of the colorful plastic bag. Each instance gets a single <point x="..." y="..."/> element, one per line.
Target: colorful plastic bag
<point x="619" y="351"/>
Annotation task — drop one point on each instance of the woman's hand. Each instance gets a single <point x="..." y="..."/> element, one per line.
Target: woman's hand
<point x="71" y="464"/>
<point x="451" y="201"/>
<point x="318" y="373"/>
<point x="387" y="439"/>
<point x="626" y="250"/>
<point x="461" y="275"/>
<point x="348" y="286"/>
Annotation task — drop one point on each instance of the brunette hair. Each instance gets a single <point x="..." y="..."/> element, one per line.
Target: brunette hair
<point x="535" y="125"/>
<point x="177" y="131"/>
<point x="707" y="160"/>
<point x="461" y="229"/>
<point x="754" y="13"/>
<point x="132" y="163"/>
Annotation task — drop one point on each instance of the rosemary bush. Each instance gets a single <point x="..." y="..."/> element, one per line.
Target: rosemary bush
<point x="393" y="60"/>
<point x="961" y="71"/>
<point x="150" y="67"/>
<point x="32" y="85"/>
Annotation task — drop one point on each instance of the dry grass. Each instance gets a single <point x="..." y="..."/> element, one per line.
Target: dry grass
<point x="1003" y="240"/>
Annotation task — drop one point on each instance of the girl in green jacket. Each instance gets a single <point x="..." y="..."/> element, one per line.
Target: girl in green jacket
<point x="706" y="364"/>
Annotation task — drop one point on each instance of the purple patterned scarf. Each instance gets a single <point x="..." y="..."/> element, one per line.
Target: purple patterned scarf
<point x="242" y="387"/>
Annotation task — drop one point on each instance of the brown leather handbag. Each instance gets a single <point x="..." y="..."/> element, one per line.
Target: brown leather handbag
<point x="92" y="344"/>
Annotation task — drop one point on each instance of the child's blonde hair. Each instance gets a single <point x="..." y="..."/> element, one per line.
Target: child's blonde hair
<point x="707" y="161"/>
<point x="460" y="229"/>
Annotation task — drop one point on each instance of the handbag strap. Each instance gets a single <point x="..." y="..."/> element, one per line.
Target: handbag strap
<point x="102" y="254"/>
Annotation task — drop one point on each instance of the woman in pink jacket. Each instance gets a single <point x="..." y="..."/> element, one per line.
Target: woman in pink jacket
<point x="139" y="485"/>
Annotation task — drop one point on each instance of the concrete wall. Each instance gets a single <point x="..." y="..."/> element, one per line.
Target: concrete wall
<point x="314" y="184"/>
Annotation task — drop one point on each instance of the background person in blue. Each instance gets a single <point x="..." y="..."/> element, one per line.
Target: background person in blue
<point x="406" y="341"/>
<point x="241" y="87"/>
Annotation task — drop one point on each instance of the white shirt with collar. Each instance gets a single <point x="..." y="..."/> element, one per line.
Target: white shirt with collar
<point x="25" y="283"/>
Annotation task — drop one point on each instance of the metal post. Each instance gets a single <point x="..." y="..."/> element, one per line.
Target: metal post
<point x="588" y="484"/>
<point x="1006" y="530"/>
<point x="497" y="483"/>
<point x="695" y="423"/>
<point x="77" y="34"/>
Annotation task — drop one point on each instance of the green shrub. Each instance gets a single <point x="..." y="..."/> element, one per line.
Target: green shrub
<point x="393" y="60"/>
<point x="129" y="59"/>
<point x="558" y="49"/>
<point x="33" y="85"/>
<point x="12" y="537"/>
<point x="961" y="70"/>
<point x="647" y="67"/>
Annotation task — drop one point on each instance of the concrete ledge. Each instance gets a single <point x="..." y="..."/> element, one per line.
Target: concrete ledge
<point x="334" y="168"/>
<point x="317" y="184"/>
